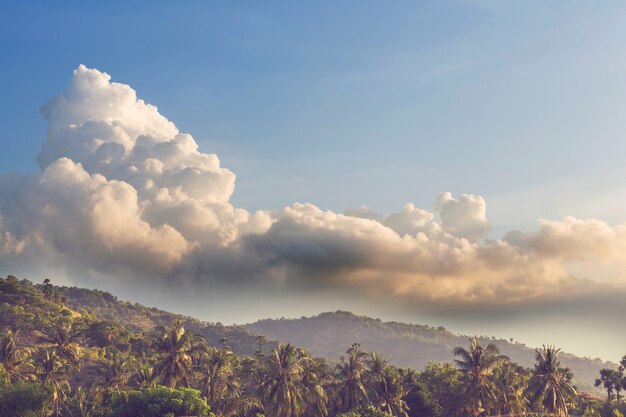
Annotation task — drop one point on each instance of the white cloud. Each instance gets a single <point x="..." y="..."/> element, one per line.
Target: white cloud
<point x="123" y="189"/>
<point x="465" y="216"/>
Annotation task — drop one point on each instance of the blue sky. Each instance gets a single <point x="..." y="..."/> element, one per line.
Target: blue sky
<point x="351" y="103"/>
<point x="347" y="103"/>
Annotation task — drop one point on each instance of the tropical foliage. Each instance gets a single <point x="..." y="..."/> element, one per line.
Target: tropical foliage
<point x="74" y="364"/>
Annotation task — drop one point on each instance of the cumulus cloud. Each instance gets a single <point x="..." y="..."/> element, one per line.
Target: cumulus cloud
<point x="465" y="216"/>
<point x="121" y="189"/>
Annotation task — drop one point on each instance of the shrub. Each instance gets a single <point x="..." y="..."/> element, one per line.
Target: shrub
<point x="160" y="401"/>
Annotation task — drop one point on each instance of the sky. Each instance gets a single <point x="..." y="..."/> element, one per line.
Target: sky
<point x="456" y="163"/>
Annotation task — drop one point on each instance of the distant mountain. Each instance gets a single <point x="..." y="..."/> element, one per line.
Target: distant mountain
<point x="405" y="345"/>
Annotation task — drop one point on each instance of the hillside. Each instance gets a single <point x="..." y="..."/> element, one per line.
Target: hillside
<point x="406" y="345"/>
<point x="138" y="318"/>
<point x="24" y="307"/>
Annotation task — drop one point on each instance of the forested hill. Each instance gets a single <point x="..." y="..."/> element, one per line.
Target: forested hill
<point x="138" y="318"/>
<point x="405" y="345"/>
<point x="24" y="306"/>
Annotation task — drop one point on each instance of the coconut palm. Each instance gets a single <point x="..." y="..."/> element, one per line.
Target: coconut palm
<point x="477" y="364"/>
<point x="64" y="337"/>
<point x="550" y="385"/>
<point x="261" y="340"/>
<point x="145" y="375"/>
<point x="317" y="379"/>
<point x="351" y="372"/>
<point x="116" y="370"/>
<point x="14" y="359"/>
<point x="176" y="348"/>
<point x="510" y="381"/>
<point x="284" y="391"/>
<point x="377" y="365"/>
<point x="86" y="401"/>
<point x="219" y="386"/>
<point x="53" y="370"/>
<point x="390" y="391"/>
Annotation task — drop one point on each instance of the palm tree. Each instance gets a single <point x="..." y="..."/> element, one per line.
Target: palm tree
<point x="116" y="369"/>
<point x="64" y="337"/>
<point x="510" y="382"/>
<point x="477" y="364"/>
<point x="14" y="359"/>
<point x="145" y="375"/>
<point x="176" y="348"/>
<point x="550" y="384"/>
<point x="284" y="392"/>
<point x="218" y="383"/>
<point x="390" y="391"/>
<point x="351" y="373"/>
<point x="317" y="380"/>
<point x="377" y="365"/>
<point x="53" y="370"/>
<point x="261" y="340"/>
<point x="86" y="401"/>
<point x="613" y="381"/>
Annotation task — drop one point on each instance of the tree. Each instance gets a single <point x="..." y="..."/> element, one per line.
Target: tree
<point x="14" y="359"/>
<point x="219" y="386"/>
<point x="386" y="386"/>
<point x="261" y="340"/>
<point x="418" y="398"/>
<point x="64" y="337"/>
<point x="23" y="399"/>
<point x="317" y="378"/>
<point x="363" y="411"/>
<point x="284" y="392"/>
<point x="510" y="381"/>
<point x="550" y="385"/>
<point x="53" y="371"/>
<point x="116" y="369"/>
<point x="477" y="365"/>
<point x="176" y="348"/>
<point x="390" y="393"/>
<point x="160" y="401"/>
<point x="613" y="381"/>
<point x="351" y="373"/>
<point x="445" y="384"/>
<point x="86" y="402"/>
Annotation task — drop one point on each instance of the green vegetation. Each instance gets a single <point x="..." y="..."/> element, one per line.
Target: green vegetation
<point x="57" y="359"/>
<point x="160" y="402"/>
<point x="406" y="345"/>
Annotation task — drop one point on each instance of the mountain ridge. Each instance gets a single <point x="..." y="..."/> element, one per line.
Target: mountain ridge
<point x="326" y="335"/>
<point x="403" y="344"/>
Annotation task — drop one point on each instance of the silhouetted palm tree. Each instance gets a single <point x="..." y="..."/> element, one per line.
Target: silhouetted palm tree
<point x="613" y="381"/>
<point x="550" y="384"/>
<point x="477" y="364"/>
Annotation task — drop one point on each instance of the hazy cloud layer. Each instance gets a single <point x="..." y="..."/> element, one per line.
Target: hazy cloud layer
<point x="124" y="196"/>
